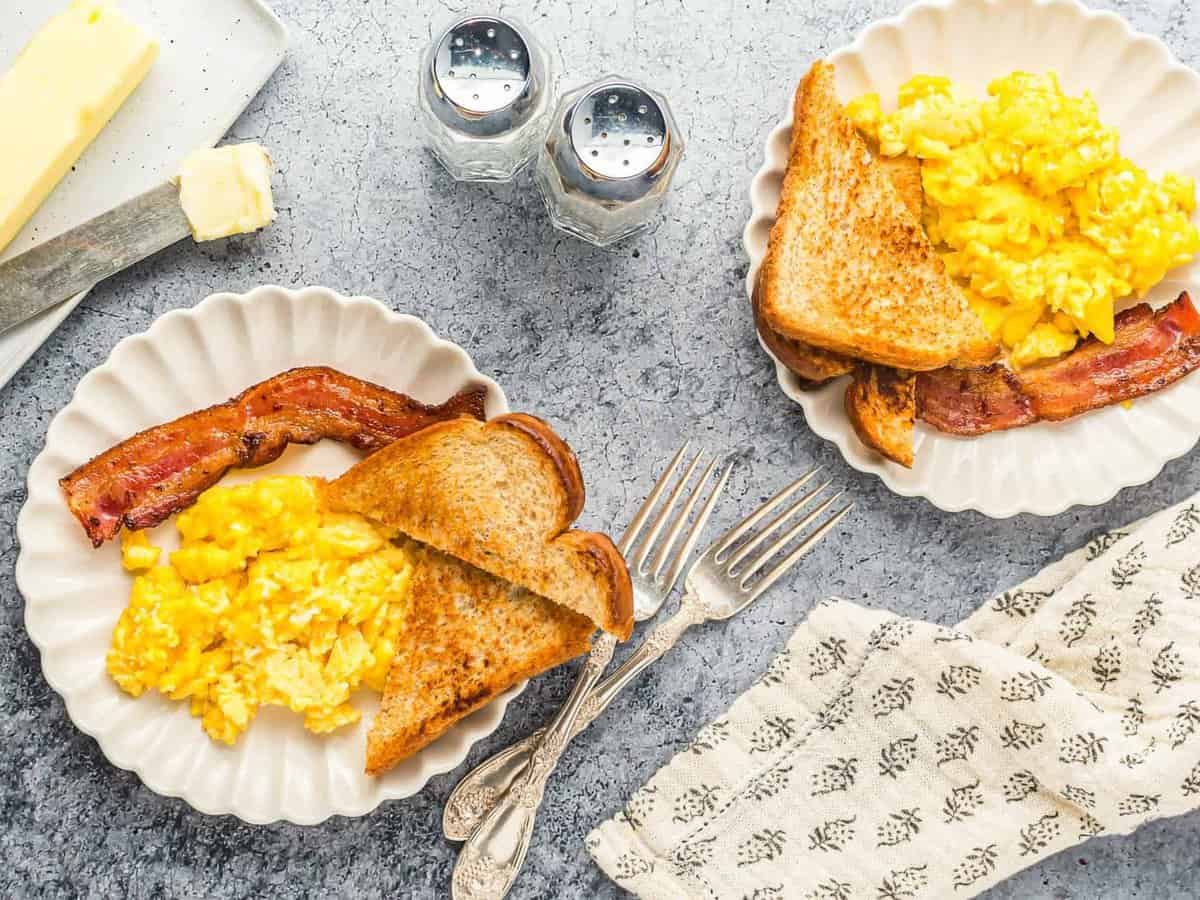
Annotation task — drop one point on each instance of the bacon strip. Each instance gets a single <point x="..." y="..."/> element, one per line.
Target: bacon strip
<point x="1150" y="351"/>
<point x="972" y="401"/>
<point x="142" y="481"/>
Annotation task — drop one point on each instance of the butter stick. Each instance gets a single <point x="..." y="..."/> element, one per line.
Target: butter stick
<point x="59" y="94"/>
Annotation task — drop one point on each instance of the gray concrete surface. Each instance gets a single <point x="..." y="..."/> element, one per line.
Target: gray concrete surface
<point x="626" y="350"/>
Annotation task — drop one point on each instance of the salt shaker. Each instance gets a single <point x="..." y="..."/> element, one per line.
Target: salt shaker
<point x="485" y="92"/>
<point x="607" y="160"/>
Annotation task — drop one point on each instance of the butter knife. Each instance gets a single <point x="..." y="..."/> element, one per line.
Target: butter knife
<point x="81" y="258"/>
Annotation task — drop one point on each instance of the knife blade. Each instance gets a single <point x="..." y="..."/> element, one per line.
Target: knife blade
<point x="77" y="260"/>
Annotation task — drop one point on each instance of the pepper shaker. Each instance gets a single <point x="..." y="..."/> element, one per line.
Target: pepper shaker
<point x="484" y="94"/>
<point x="607" y="160"/>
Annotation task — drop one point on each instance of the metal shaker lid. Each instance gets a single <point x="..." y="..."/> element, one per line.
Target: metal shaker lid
<point x="616" y="143"/>
<point x="483" y="78"/>
<point x="618" y="131"/>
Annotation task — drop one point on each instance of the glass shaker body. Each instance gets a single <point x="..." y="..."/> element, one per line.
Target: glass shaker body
<point x="484" y="94"/>
<point x="607" y="160"/>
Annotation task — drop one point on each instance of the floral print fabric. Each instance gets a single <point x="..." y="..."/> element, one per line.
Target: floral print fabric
<point x="885" y="758"/>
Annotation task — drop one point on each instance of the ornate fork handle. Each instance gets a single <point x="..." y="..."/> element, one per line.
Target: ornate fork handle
<point x="495" y="851"/>
<point x="488" y="782"/>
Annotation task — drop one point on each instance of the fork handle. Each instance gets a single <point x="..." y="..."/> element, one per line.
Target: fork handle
<point x="492" y="857"/>
<point x="488" y="865"/>
<point x="478" y="792"/>
<point x="490" y="783"/>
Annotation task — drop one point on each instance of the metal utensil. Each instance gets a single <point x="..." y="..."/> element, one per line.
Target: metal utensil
<point x="80" y="258"/>
<point x="479" y="791"/>
<point x="720" y="584"/>
<point x="652" y="582"/>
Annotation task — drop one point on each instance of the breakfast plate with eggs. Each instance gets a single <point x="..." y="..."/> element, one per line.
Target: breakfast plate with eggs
<point x="1052" y="154"/>
<point x="264" y="736"/>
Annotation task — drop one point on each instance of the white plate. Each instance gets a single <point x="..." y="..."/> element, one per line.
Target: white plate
<point x="1155" y="102"/>
<point x="189" y="359"/>
<point x="214" y="57"/>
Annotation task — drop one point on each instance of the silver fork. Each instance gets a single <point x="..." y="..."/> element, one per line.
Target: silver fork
<point x="478" y="792"/>
<point x="719" y="585"/>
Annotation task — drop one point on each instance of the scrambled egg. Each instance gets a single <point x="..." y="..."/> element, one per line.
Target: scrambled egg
<point x="270" y="599"/>
<point x="1033" y="207"/>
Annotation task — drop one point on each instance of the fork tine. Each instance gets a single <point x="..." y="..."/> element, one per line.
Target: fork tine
<point x="648" y="541"/>
<point x="643" y="514"/>
<point x="689" y="542"/>
<point x="792" y="558"/>
<point x="751" y="545"/>
<point x="660" y="558"/>
<point x="786" y="538"/>
<point x="722" y="544"/>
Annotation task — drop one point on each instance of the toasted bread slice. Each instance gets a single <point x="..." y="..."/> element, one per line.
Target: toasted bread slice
<point x="468" y="638"/>
<point x="501" y="496"/>
<point x="882" y="406"/>
<point x="813" y="365"/>
<point x="904" y="172"/>
<point x="848" y="267"/>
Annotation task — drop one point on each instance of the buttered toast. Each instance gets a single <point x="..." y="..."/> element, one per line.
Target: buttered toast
<point x="503" y="588"/>
<point x="500" y="496"/>
<point x="813" y="365"/>
<point x="881" y="404"/>
<point x="849" y="268"/>
<point x="468" y="638"/>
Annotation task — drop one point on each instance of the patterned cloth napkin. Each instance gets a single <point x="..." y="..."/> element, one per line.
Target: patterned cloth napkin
<point x="885" y="758"/>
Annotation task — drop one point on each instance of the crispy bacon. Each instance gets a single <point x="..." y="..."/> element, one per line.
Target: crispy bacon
<point x="142" y="481"/>
<point x="1151" y="350"/>
<point x="972" y="401"/>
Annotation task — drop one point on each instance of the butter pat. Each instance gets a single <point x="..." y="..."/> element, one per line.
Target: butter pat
<point x="59" y="94"/>
<point x="227" y="190"/>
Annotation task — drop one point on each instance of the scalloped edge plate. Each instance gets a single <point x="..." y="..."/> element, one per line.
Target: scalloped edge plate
<point x="189" y="359"/>
<point x="1046" y="468"/>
